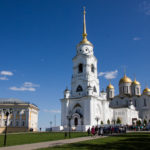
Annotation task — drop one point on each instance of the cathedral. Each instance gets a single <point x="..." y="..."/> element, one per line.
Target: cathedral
<point x="84" y="106"/>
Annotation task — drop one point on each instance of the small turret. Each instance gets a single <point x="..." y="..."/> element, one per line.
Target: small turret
<point x="136" y="88"/>
<point x="66" y="93"/>
<point x="89" y="90"/>
<point x="130" y="105"/>
<point x="146" y="91"/>
<point x="110" y="91"/>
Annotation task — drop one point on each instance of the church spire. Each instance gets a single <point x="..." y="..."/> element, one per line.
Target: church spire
<point x="84" y="25"/>
<point x="84" y="34"/>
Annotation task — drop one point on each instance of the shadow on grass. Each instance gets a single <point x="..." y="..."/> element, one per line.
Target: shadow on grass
<point x="121" y="142"/>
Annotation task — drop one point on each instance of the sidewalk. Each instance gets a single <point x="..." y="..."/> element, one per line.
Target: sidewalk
<point x="49" y="144"/>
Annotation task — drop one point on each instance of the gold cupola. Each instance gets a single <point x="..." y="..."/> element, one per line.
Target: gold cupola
<point x="84" y="35"/>
<point x="110" y="86"/>
<point x="135" y="82"/>
<point x="125" y="79"/>
<point x="146" y="90"/>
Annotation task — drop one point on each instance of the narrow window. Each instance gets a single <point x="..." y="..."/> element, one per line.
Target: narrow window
<point x="145" y="102"/>
<point x="94" y="89"/>
<point x="80" y="68"/>
<point x="92" y="68"/>
<point x="23" y="123"/>
<point x="138" y="91"/>
<point x="135" y="103"/>
<point x="79" y="89"/>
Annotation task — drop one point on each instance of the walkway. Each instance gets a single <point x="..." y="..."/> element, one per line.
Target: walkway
<point x="48" y="144"/>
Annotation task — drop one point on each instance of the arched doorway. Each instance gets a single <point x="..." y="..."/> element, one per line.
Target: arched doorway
<point x="75" y="121"/>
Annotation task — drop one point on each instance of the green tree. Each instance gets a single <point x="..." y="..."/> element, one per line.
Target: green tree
<point x="108" y="121"/>
<point x="145" y="122"/>
<point x="118" y="120"/>
<point x="102" y="122"/>
<point x="138" y="122"/>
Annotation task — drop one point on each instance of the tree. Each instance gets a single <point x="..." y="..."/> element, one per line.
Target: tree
<point x="118" y="120"/>
<point x="145" y="122"/>
<point x="108" y="121"/>
<point x="138" y="122"/>
<point x="101" y="122"/>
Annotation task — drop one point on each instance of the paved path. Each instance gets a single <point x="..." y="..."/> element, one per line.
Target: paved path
<point x="48" y="144"/>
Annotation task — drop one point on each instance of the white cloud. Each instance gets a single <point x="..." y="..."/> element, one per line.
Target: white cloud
<point x="3" y="78"/>
<point x="136" y="38"/>
<point x="14" y="88"/>
<point x="109" y="75"/>
<point x="6" y="73"/>
<point x="27" y="86"/>
<point x="52" y="111"/>
<point x="30" y="84"/>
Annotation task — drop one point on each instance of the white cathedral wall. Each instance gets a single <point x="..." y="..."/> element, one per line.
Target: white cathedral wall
<point x="100" y="108"/>
<point x="126" y="115"/>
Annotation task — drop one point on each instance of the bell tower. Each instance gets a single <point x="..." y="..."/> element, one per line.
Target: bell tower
<point x="84" y="68"/>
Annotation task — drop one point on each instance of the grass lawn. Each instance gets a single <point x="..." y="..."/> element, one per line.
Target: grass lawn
<point x="129" y="141"/>
<point x="26" y="138"/>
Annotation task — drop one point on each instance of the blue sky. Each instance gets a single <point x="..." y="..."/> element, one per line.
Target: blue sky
<point x="38" y="41"/>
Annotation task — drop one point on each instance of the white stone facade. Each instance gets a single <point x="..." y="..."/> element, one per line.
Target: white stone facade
<point x="86" y="106"/>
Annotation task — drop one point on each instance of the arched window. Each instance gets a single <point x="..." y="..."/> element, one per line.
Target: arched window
<point x="92" y="68"/>
<point x="80" y="68"/>
<point x="79" y="89"/>
<point x="75" y="121"/>
<point x="94" y="89"/>
<point x="138" y="91"/>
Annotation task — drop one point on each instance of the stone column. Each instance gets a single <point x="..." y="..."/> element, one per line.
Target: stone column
<point x="14" y="121"/>
<point x="27" y="116"/>
<point x="20" y="121"/>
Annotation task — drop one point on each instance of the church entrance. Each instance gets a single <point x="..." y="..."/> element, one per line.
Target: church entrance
<point x="75" y="121"/>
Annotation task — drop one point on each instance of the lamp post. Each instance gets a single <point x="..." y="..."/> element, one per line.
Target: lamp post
<point x="50" y="125"/>
<point x="69" y="119"/>
<point x="7" y="112"/>
<point x="97" y="119"/>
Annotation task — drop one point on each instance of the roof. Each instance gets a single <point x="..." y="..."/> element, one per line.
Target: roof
<point x="125" y="79"/>
<point x="14" y="101"/>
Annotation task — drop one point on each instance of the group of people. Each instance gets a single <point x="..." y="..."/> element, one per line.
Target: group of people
<point x="95" y="131"/>
<point x="101" y="130"/>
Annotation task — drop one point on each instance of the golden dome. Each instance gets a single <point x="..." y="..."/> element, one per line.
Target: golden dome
<point x="110" y="86"/>
<point x="146" y="90"/>
<point x="125" y="79"/>
<point x="85" y="41"/>
<point x="136" y="82"/>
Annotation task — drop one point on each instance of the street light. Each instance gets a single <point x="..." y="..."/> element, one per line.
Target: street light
<point x="7" y="112"/>
<point x="50" y="125"/>
<point x="97" y="119"/>
<point x="69" y="117"/>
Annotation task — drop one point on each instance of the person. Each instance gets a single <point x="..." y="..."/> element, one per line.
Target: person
<point x="96" y="130"/>
<point x="101" y="131"/>
<point x="93" y="131"/>
<point x="88" y="131"/>
<point x="65" y="134"/>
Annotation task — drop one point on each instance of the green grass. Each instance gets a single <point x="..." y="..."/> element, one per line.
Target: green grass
<point x="27" y="138"/>
<point x="130" y="141"/>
